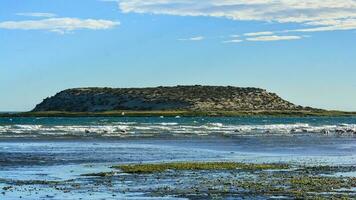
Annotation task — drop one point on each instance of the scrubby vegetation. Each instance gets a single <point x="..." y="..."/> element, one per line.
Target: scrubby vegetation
<point x="186" y="98"/>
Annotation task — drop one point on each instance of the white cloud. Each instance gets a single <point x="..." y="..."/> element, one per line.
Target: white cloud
<point x="333" y="25"/>
<point x="259" y="33"/>
<point x="319" y="15"/>
<point x="197" y="38"/>
<point x="233" y="41"/>
<point x="234" y="36"/>
<point x="273" y="38"/>
<point x="59" y="25"/>
<point x="37" y="14"/>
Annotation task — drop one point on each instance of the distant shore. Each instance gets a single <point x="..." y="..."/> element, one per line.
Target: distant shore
<point x="315" y="113"/>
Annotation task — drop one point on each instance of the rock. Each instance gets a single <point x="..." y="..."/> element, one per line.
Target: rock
<point x="7" y="187"/>
<point x="340" y="131"/>
<point x="350" y="131"/>
<point x="195" y="98"/>
<point x="100" y="174"/>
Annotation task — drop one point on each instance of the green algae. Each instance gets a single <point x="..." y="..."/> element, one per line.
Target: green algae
<point x="161" y="167"/>
<point x="100" y="174"/>
<point x="212" y="180"/>
<point x="209" y="180"/>
<point x="289" y="187"/>
<point x="31" y="182"/>
<point x="322" y="184"/>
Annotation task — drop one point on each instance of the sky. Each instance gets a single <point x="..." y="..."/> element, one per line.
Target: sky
<point x="303" y="50"/>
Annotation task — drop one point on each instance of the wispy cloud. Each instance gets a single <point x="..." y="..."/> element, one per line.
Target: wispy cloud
<point x="234" y="36"/>
<point x="36" y="14"/>
<point x="319" y="15"/>
<point x="332" y="25"/>
<point x="233" y="41"/>
<point x="259" y="33"/>
<point x="196" y="38"/>
<point x="59" y="25"/>
<point x="274" y="38"/>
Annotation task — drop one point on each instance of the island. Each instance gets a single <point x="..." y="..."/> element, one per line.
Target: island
<point x="194" y="100"/>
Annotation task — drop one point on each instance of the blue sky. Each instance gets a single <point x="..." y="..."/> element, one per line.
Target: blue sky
<point x="302" y="50"/>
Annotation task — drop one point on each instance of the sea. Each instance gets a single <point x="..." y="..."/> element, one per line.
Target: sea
<point x="39" y="152"/>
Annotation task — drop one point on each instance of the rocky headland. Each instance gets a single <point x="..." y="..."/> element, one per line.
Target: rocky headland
<point x="177" y="98"/>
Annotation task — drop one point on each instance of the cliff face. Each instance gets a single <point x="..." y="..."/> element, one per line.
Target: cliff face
<point x="198" y="98"/>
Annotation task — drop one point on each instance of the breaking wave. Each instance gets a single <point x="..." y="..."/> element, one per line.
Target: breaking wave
<point x="135" y="129"/>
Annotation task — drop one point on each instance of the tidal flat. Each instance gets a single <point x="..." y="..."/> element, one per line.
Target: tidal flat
<point x="177" y="158"/>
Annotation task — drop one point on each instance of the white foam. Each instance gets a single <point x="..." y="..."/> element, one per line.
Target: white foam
<point x="216" y="124"/>
<point x="137" y="129"/>
<point x="168" y="123"/>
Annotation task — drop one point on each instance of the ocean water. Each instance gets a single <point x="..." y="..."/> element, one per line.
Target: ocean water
<point x="171" y="127"/>
<point x="61" y="149"/>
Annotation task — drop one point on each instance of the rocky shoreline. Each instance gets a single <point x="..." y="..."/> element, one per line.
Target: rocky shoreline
<point x="200" y="180"/>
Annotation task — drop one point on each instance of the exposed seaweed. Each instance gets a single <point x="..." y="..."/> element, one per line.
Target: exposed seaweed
<point x="160" y="167"/>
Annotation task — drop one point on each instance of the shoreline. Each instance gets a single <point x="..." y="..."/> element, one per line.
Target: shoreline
<point x="155" y="170"/>
<point x="125" y="113"/>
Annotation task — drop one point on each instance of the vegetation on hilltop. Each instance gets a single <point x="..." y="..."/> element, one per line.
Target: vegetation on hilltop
<point x="179" y="98"/>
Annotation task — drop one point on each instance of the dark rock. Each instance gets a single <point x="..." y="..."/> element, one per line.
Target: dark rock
<point x="340" y="131"/>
